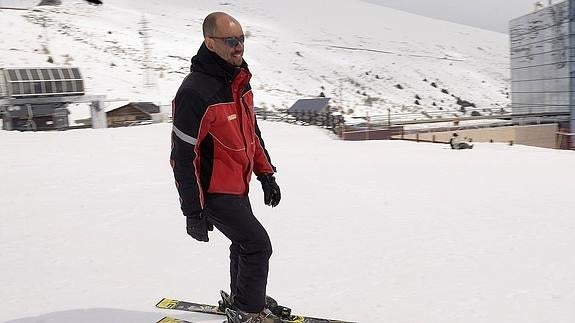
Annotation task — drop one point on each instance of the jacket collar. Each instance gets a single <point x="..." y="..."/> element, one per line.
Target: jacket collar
<point x="208" y="62"/>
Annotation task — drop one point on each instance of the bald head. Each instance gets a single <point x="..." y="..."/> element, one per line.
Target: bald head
<point x="214" y="20"/>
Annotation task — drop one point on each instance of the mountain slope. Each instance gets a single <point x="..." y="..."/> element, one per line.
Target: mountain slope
<point x="364" y="56"/>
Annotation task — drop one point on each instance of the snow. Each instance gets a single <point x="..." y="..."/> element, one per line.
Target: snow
<point x="388" y="231"/>
<point x="292" y="53"/>
<point x="378" y="231"/>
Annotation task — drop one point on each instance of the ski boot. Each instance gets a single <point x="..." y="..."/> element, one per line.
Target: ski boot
<point x="281" y="312"/>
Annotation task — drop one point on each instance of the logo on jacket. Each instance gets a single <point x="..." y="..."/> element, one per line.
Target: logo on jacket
<point x="232" y="117"/>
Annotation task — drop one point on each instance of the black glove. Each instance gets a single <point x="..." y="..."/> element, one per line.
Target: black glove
<point x="198" y="225"/>
<point x="272" y="194"/>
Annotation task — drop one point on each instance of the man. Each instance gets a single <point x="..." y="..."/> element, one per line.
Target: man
<point x="216" y="145"/>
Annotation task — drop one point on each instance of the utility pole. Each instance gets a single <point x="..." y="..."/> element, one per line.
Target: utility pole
<point x="145" y="34"/>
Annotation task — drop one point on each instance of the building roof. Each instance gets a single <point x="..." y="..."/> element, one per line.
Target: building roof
<point x="146" y="107"/>
<point x="310" y="105"/>
<point x="40" y="82"/>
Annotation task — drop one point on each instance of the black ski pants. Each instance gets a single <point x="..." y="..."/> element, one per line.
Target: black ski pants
<point x="250" y="250"/>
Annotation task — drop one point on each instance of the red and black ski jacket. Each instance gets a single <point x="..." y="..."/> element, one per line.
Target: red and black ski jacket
<point x="216" y="142"/>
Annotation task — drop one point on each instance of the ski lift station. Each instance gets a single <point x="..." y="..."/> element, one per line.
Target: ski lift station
<point x="542" y="65"/>
<point x="34" y="99"/>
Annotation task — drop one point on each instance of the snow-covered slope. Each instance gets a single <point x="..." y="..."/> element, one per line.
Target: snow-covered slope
<point x="364" y="56"/>
<point x="379" y="231"/>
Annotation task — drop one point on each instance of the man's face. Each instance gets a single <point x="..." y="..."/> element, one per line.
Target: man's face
<point x="228" y="42"/>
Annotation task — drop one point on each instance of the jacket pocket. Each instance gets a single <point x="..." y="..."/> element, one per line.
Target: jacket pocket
<point x="230" y="157"/>
<point x="226" y="128"/>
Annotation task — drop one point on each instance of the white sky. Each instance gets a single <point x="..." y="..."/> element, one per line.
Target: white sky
<point x="487" y="14"/>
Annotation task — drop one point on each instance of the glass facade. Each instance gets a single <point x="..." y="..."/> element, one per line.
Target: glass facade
<point x="540" y="61"/>
<point x="572" y="66"/>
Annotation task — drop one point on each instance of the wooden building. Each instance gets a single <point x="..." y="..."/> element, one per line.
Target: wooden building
<point x="312" y="111"/>
<point x="51" y="116"/>
<point x="133" y="113"/>
<point x="306" y="106"/>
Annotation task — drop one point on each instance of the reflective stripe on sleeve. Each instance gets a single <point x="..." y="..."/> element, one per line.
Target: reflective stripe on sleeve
<point x="180" y="134"/>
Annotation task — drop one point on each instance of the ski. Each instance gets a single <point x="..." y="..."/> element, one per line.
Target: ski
<point x="168" y="319"/>
<point x="173" y="304"/>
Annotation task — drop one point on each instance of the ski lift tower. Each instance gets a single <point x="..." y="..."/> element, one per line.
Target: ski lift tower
<point x="37" y="98"/>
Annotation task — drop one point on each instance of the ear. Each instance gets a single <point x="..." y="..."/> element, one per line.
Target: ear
<point x="209" y="43"/>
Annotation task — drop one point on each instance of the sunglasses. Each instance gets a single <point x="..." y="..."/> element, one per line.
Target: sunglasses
<point x="232" y="41"/>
